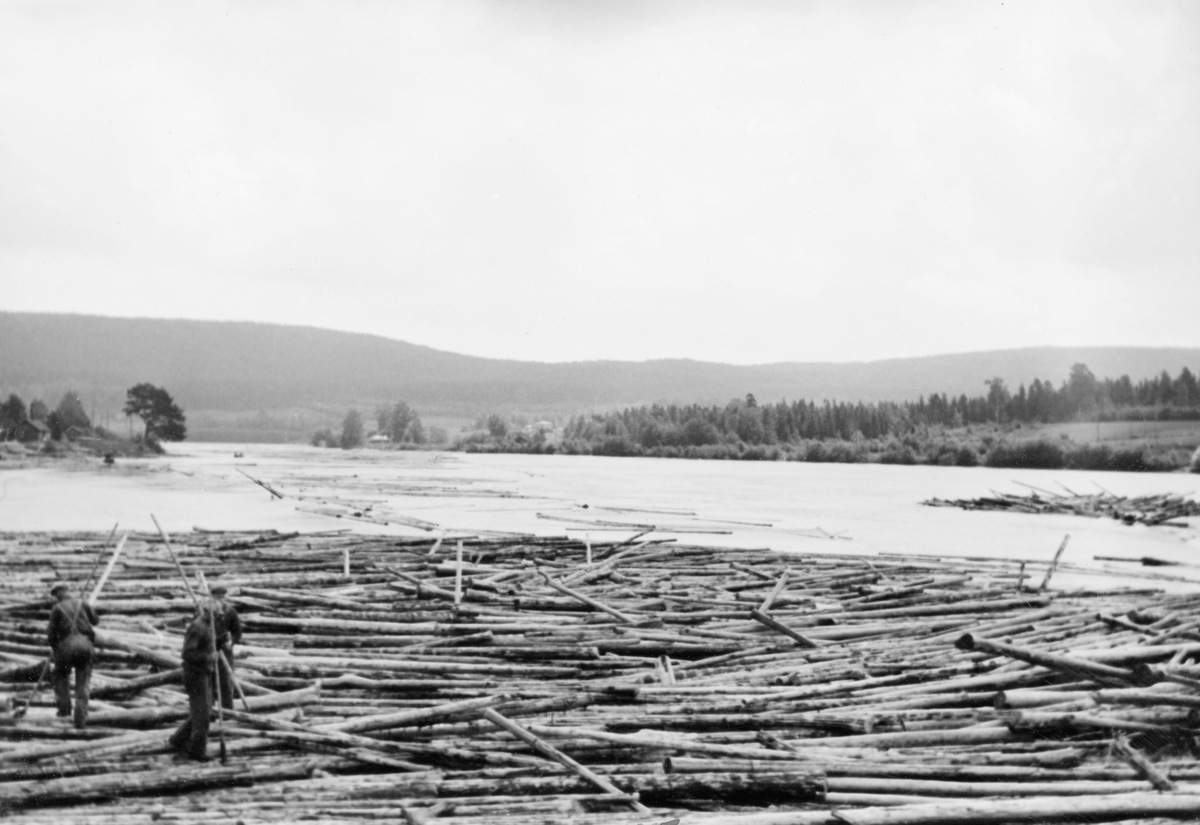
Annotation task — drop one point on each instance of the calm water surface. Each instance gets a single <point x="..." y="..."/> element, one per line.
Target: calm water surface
<point x="873" y="509"/>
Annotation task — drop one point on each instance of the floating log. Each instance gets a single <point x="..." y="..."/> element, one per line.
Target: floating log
<point x="1142" y="765"/>
<point x="1071" y="667"/>
<point x="774" y="624"/>
<point x="1148" y="510"/>
<point x="558" y="756"/>
<point x="1043" y="809"/>
<point x="56" y="791"/>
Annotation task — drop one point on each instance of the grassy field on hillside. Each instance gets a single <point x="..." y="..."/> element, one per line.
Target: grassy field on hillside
<point x="1121" y="435"/>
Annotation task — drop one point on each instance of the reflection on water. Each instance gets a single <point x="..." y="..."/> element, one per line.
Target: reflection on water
<point x="826" y="508"/>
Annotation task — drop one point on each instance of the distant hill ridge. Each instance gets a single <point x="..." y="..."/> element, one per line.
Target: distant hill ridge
<point x="243" y="366"/>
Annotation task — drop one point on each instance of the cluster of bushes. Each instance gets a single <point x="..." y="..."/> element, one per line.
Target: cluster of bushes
<point x="486" y="442"/>
<point x="324" y="437"/>
<point x="1046" y="455"/>
<point x="619" y="446"/>
<point x="1029" y="455"/>
<point x="884" y="451"/>
<point x="950" y="454"/>
<point x="832" y="452"/>
<point x="930" y="449"/>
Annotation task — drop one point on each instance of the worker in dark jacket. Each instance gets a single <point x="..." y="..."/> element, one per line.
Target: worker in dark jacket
<point x="199" y="668"/>
<point x="229" y="633"/>
<point x="72" y="640"/>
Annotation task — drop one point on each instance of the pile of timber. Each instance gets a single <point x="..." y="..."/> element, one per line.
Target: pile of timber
<point x="1149" y="510"/>
<point x="543" y="680"/>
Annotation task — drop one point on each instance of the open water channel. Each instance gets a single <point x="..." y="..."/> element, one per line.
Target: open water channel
<point x="795" y="507"/>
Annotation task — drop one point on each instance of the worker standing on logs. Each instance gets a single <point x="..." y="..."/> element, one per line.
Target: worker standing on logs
<point x="72" y="640"/>
<point x="199" y="669"/>
<point x="229" y="633"/>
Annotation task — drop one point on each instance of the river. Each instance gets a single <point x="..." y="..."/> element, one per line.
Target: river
<point x="795" y="507"/>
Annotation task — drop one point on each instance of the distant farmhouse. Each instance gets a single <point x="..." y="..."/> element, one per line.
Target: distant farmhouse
<point x="31" y="431"/>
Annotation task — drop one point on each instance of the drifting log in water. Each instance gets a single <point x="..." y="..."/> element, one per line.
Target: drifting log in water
<point x="1148" y="510"/>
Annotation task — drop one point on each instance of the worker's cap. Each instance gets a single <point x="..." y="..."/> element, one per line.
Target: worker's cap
<point x="219" y="590"/>
<point x="59" y="587"/>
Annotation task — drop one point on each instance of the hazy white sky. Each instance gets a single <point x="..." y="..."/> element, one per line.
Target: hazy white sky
<point x="744" y="182"/>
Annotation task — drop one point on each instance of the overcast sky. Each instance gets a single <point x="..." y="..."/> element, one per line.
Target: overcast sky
<point x="745" y="182"/>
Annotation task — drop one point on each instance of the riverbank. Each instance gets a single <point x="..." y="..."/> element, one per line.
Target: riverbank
<point x="52" y="452"/>
<point x="1027" y="448"/>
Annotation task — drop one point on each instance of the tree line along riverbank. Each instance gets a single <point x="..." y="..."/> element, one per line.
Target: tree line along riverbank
<point x="990" y="446"/>
<point x="999" y="429"/>
<point x="68" y="430"/>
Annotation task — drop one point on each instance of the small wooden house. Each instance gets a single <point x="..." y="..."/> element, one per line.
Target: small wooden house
<point x="32" y="431"/>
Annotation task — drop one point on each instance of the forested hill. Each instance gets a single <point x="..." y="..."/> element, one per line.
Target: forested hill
<point x="234" y="366"/>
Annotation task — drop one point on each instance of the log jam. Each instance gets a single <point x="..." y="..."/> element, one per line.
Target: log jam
<point x="514" y="682"/>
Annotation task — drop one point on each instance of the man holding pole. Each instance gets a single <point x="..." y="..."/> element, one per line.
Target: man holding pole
<point x="72" y="638"/>
<point x="229" y="633"/>
<point x="199" y="668"/>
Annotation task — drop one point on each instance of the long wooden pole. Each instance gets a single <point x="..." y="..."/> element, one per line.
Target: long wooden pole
<point x="1044" y="809"/>
<point x="167" y="541"/>
<point x="551" y="752"/>
<point x="212" y="626"/>
<point x="775" y="591"/>
<point x="575" y="594"/>
<point x="213" y="629"/>
<point x="1142" y="765"/>
<point x="262" y="484"/>
<point x="108" y="568"/>
<point x="1072" y="667"/>
<point x="775" y="624"/>
<point x="1054" y="564"/>
<point x="458" y="578"/>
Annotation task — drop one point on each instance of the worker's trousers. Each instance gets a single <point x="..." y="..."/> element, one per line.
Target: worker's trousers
<point x="73" y="653"/>
<point x="225" y="671"/>
<point x="192" y="735"/>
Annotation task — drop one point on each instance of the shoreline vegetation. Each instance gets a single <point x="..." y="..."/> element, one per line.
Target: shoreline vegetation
<point x="1039" y="427"/>
<point x="1000" y="429"/>
<point x="68" y="431"/>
